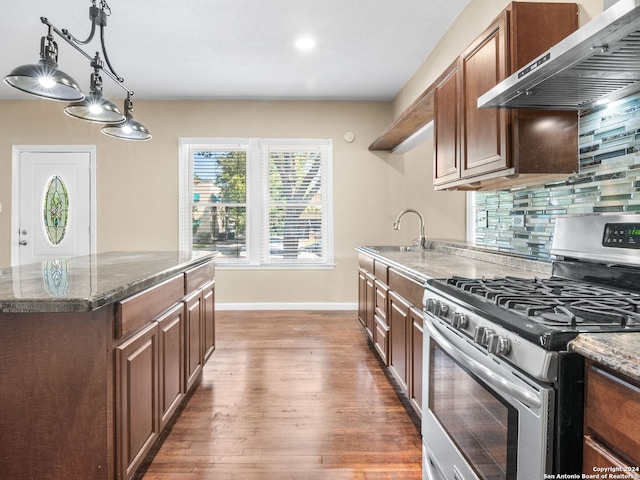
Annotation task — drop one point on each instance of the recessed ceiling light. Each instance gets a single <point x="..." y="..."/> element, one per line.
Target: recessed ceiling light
<point x="305" y="43"/>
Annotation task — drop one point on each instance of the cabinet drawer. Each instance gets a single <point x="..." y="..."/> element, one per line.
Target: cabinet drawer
<point x="381" y="299"/>
<point x="199" y="276"/>
<point x="408" y="288"/>
<point x="596" y="456"/>
<point x="381" y="339"/>
<point x="612" y="413"/>
<point x="365" y="262"/>
<point x="137" y="310"/>
<point x="380" y="271"/>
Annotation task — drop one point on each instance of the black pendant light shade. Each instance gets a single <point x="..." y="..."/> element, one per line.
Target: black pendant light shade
<point x="130" y="129"/>
<point x="43" y="79"/>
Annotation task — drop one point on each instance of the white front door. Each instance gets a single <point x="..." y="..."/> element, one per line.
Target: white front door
<point x="55" y="212"/>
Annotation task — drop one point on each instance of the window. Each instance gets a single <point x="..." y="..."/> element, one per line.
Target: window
<point x="257" y="202"/>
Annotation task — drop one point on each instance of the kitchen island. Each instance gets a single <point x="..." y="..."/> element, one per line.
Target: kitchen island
<point x="96" y="355"/>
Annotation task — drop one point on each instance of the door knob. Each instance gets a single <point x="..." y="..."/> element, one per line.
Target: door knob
<point x="22" y="242"/>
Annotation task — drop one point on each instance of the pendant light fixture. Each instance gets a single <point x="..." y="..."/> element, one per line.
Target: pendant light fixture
<point x="130" y="129"/>
<point x="45" y="80"/>
<point x="94" y="107"/>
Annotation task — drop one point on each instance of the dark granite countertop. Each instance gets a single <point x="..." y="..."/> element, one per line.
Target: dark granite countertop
<point x="445" y="258"/>
<point x="618" y="351"/>
<point x="81" y="284"/>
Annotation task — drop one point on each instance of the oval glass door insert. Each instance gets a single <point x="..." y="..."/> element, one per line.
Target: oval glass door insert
<point x="55" y="210"/>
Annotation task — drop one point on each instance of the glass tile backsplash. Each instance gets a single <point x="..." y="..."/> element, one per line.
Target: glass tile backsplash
<point x="521" y="220"/>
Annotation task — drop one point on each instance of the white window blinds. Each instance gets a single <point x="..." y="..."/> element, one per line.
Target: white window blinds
<point x="258" y="202"/>
<point x="296" y="202"/>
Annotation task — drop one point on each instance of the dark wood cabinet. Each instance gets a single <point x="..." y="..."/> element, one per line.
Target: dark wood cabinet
<point x="415" y="358"/>
<point x="159" y="358"/>
<point x="446" y="126"/>
<point x="405" y="317"/>
<point x="370" y="304"/>
<point x="399" y="333"/>
<point x="199" y="320"/>
<point x="484" y="131"/>
<point x="362" y="297"/>
<point x="171" y="368"/>
<point x="366" y="294"/>
<point x="209" y="320"/>
<point x="136" y="399"/>
<point x="612" y="422"/>
<point x="381" y="327"/>
<point x="494" y="148"/>
<point x="393" y="300"/>
<point x="193" y="339"/>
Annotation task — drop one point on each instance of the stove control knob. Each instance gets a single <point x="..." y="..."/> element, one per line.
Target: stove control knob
<point x="481" y="335"/>
<point x="431" y="305"/>
<point x="499" y="345"/>
<point x="459" y="320"/>
<point x="443" y="309"/>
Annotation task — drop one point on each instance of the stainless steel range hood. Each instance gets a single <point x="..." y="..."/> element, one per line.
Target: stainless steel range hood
<point x="600" y="60"/>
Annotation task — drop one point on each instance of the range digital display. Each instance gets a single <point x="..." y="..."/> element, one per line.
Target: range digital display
<point x="621" y="235"/>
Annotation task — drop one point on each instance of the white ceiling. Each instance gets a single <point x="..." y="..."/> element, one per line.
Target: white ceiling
<point x="237" y="49"/>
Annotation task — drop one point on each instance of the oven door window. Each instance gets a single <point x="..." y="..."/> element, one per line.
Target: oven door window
<point x="483" y="426"/>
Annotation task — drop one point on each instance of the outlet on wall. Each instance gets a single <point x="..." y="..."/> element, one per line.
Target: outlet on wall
<point x="482" y="219"/>
<point x="517" y="221"/>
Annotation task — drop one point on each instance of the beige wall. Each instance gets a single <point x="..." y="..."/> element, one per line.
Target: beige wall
<point x="137" y="183"/>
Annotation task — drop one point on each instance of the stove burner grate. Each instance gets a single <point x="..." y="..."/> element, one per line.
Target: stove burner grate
<point x="556" y="301"/>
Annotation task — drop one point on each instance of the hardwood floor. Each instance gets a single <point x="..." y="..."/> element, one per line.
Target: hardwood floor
<point x="291" y="395"/>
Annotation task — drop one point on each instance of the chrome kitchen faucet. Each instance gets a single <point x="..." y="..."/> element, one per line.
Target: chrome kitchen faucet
<point x="396" y="225"/>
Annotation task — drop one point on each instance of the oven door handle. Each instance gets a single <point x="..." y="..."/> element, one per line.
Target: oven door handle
<point x="485" y="374"/>
<point x="429" y="470"/>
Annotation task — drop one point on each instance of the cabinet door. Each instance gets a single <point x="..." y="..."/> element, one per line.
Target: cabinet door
<point x="399" y="336"/>
<point x="136" y="399"/>
<point x="171" y="354"/>
<point x="370" y="304"/>
<point x="193" y="338"/>
<point x="381" y="338"/>
<point x="596" y="456"/>
<point x="484" y="131"/>
<point x="446" y="126"/>
<point x="612" y="413"/>
<point x="362" y="297"/>
<point x="415" y="367"/>
<point x="209" y="320"/>
<point x="381" y="327"/>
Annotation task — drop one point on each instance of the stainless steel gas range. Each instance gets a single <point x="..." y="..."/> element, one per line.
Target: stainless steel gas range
<point x="503" y="396"/>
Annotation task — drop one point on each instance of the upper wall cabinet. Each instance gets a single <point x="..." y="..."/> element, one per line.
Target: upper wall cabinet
<point x="447" y="125"/>
<point x="494" y="148"/>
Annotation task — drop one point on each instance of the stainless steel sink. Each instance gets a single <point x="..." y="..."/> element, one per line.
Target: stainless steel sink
<point x="396" y="248"/>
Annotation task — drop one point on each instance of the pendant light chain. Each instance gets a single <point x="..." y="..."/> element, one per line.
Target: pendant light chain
<point x="104" y="6"/>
